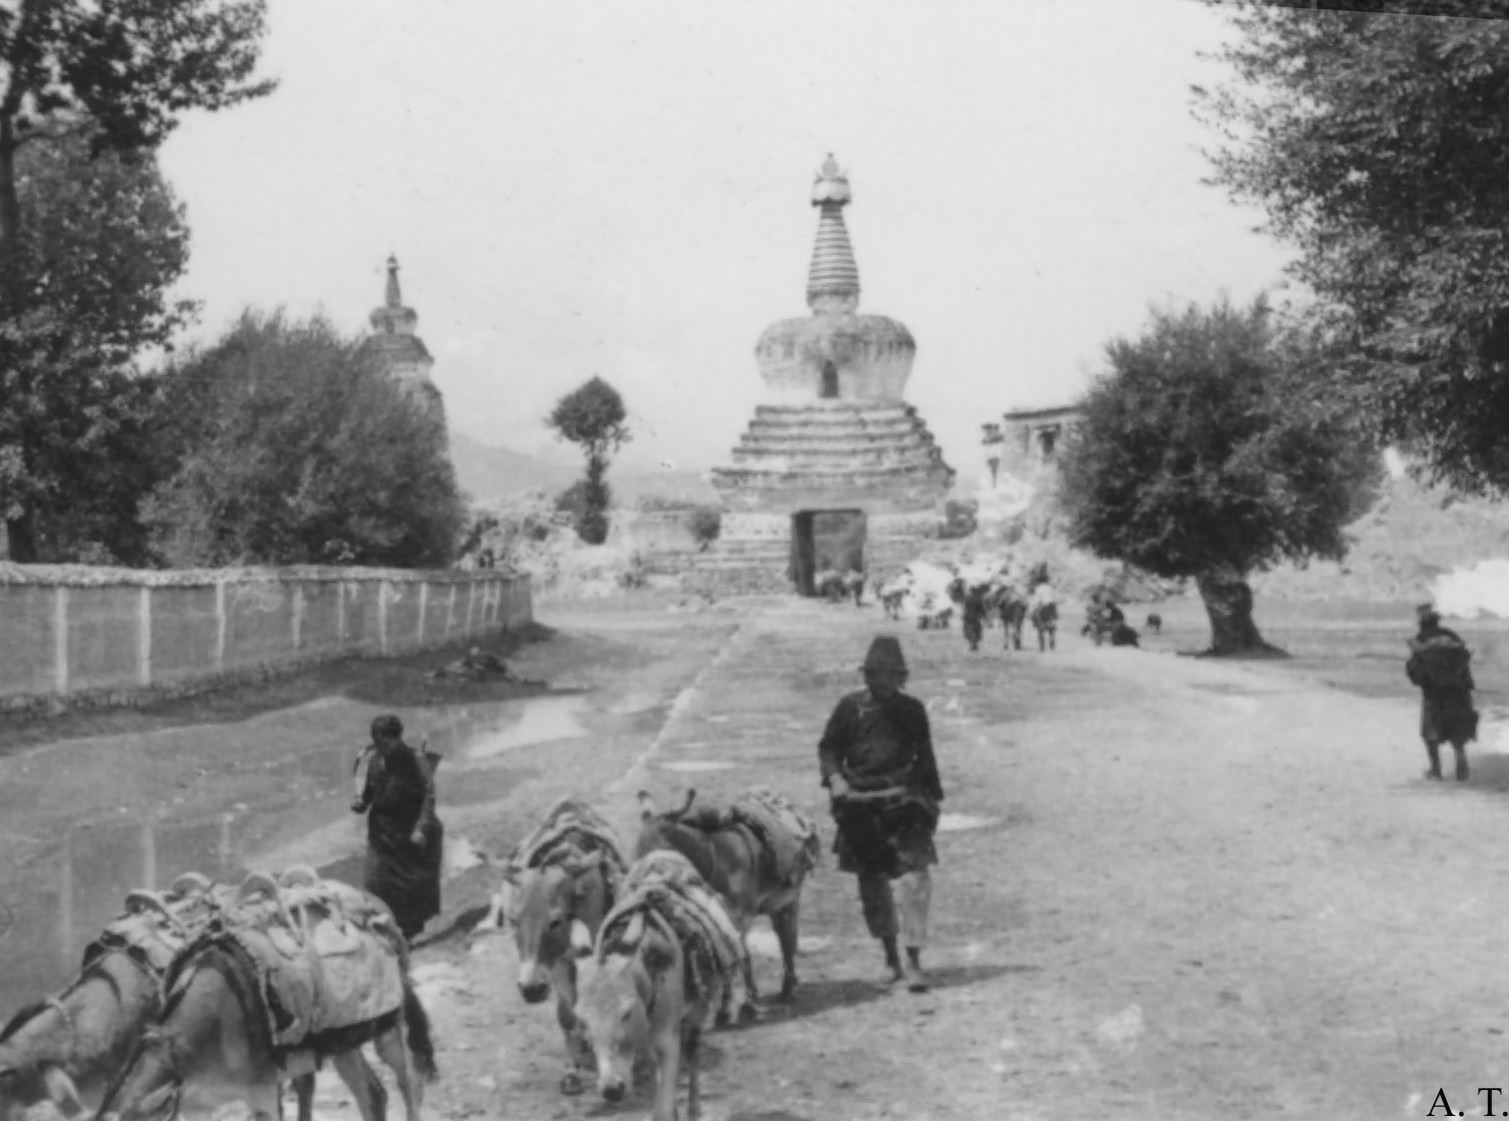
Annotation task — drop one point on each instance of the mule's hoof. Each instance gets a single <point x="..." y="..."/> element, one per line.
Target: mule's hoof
<point x="788" y="994"/>
<point x="722" y="1019"/>
<point x="1462" y="773"/>
<point x="571" y="1083"/>
<point x="1433" y="774"/>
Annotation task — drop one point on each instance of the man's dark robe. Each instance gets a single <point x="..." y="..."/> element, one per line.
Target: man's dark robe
<point x="398" y="797"/>
<point x="878" y="745"/>
<point x="1446" y="712"/>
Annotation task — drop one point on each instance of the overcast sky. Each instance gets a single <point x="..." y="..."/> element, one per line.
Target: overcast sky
<point x="623" y="189"/>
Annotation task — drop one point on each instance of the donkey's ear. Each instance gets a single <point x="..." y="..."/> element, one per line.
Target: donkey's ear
<point x="62" y="1091"/>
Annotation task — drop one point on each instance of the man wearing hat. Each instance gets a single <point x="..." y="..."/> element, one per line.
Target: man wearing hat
<point x="1440" y="664"/>
<point x="404" y="837"/>
<point x="876" y="757"/>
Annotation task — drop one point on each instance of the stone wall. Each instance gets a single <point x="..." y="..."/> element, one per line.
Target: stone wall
<point x="75" y="636"/>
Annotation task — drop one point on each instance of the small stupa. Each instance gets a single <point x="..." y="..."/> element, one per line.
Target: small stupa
<point x="836" y="471"/>
<point x="399" y="350"/>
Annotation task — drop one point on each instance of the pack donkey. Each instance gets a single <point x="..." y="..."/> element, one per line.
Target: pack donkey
<point x="305" y="970"/>
<point x="557" y="885"/>
<point x="66" y="1048"/>
<point x="664" y="960"/>
<point x="755" y="854"/>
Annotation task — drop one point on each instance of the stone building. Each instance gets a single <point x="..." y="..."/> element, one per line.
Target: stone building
<point x="836" y="469"/>
<point x="1018" y="454"/>
<point x="399" y="350"/>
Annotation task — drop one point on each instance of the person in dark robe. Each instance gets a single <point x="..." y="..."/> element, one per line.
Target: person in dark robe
<point x="876" y="759"/>
<point x="974" y="616"/>
<point x="1440" y="664"/>
<point x="404" y="837"/>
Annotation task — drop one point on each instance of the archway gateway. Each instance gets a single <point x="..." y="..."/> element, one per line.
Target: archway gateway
<point x="822" y="539"/>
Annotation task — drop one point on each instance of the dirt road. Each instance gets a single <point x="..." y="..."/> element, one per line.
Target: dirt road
<point x="1177" y="889"/>
<point x="1169" y="888"/>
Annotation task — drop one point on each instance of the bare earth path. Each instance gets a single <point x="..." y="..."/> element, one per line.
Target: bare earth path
<point x="1182" y="889"/>
<point x="1200" y="890"/>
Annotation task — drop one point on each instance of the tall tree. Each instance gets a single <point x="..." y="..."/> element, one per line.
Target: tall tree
<point x="592" y="417"/>
<point x="1379" y="147"/>
<point x="104" y="240"/>
<point x="1206" y="453"/>
<point x="295" y="449"/>
<point x="122" y="72"/>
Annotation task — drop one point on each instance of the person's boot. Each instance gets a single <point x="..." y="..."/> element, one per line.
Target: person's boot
<point x="916" y="977"/>
<point x="892" y="961"/>
<point x="1461" y="765"/>
<point x="1435" y="761"/>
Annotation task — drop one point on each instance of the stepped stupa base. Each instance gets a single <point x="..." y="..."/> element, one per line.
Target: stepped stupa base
<point x="755" y="553"/>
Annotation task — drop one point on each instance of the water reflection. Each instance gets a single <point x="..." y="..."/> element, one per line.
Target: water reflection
<point x="53" y="904"/>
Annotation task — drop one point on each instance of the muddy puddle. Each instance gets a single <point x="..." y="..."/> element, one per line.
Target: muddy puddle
<point x="55" y="901"/>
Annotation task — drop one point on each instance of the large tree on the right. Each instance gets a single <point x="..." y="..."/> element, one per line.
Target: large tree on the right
<point x="1378" y="145"/>
<point x="1208" y="452"/>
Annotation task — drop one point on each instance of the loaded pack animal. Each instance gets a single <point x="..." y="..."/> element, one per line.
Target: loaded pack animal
<point x="932" y="615"/>
<point x="828" y="583"/>
<point x="755" y="853"/>
<point x="664" y="961"/>
<point x="1045" y="621"/>
<point x="892" y="594"/>
<point x="68" y="1047"/>
<point x="853" y="582"/>
<point x="558" y="884"/>
<point x="1011" y="609"/>
<point x="304" y="970"/>
<point x="1154" y="623"/>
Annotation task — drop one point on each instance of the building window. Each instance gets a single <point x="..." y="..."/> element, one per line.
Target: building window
<point x="830" y="381"/>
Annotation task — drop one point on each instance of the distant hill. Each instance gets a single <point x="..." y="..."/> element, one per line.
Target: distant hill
<point x="487" y="472"/>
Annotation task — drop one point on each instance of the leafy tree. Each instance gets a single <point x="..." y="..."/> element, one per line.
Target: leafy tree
<point x="120" y="72"/>
<point x="592" y="417"/>
<point x="296" y="449"/>
<point x="1379" y="147"/>
<point x="104" y="240"/>
<point x="1208" y="451"/>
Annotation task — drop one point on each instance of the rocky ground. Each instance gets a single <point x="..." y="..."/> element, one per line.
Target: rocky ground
<point x="1169" y="887"/>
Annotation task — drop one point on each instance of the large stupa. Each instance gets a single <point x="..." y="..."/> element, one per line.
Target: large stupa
<point x="836" y="470"/>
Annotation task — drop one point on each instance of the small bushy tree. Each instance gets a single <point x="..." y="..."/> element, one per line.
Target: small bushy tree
<point x="295" y="449"/>
<point x="1206" y="453"/>
<point x="592" y="417"/>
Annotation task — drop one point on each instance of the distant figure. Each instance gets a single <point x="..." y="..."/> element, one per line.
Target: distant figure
<point x="1440" y="664"/>
<point x="1154" y="623"/>
<point x="404" y="837"/>
<point x="973" y="612"/>
<point x="1043" y="610"/>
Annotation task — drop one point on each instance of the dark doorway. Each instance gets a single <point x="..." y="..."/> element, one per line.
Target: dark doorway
<point x="823" y="539"/>
<point x="830" y="381"/>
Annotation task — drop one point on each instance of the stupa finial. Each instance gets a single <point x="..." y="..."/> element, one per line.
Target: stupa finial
<point x="833" y="279"/>
<point x="830" y="184"/>
<point x="391" y="297"/>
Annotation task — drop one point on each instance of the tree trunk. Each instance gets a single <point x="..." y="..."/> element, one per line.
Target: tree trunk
<point x="1228" y="603"/>
<point x="21" y="536"/>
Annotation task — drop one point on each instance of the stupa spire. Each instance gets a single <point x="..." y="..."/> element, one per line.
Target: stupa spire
<point x="833" y="279"/>
<point x="392" y="318"/>
<point x="391" y="296"/>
